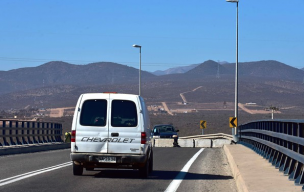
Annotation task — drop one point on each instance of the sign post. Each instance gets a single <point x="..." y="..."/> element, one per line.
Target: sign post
<point x="203" y="125"/>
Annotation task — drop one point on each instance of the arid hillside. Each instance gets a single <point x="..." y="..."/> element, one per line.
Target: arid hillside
<point x="203" y="93"/>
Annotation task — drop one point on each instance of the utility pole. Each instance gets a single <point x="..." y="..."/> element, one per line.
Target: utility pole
<point x="272" y="108"/>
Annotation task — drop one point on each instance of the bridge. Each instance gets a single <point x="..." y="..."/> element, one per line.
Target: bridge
<point x="267" y="156"/>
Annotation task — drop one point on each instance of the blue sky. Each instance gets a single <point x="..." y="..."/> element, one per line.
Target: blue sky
<point x="172" y="33"/>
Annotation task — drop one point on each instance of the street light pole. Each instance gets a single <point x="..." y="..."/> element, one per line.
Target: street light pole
<point x="234" y="130"/>
<point x="138" y="46"/>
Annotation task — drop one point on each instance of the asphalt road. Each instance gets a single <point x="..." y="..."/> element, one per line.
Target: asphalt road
<point x="52" y="171"/>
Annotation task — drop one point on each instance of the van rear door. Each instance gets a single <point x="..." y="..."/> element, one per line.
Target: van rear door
<point x="125" y="124"/>
<point x="92" y="123"/>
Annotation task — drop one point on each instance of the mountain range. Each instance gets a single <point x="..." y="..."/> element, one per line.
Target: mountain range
<point x="182" y="69"/>
<point x="58" y="84"/>
<point x="62" y="73"/>
<point x="174" y="70"/>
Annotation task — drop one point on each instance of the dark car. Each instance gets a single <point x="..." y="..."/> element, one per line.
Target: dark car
<point x="164" y="131"/>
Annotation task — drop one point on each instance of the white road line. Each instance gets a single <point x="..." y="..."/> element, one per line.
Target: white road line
<point x="32" y="173"/>
<point x="181" y="175"/>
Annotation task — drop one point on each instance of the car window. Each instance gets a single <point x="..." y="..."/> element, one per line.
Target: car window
<point x="169" y="129"/>
<point x="159" y="129"/>
<point x="94" y="113"/>
<point x="124" y="114"/>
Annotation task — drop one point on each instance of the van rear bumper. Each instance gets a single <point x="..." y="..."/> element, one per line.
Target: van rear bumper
<point x="120" y="158"/>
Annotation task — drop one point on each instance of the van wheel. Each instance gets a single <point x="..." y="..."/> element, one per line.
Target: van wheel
<point x="144" y="171"/>
<point x="77" y="169"/>
<point x="151" y="162"/>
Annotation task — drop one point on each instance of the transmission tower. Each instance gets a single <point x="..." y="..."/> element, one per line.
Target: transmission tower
<point x="218" y="70"/>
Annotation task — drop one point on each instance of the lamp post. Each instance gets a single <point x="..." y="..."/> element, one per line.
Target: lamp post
<point x="138" y="46"/>
<point x="234" y="130"/>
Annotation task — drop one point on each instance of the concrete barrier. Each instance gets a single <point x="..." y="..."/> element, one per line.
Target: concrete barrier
<point x="32" y="148"/>
<point x="220" y="142"/>
<point x="186" y="142"/>
<point x="169" y="142"/>
<point x="163" y="142"/>
<point x="204" y="143"/>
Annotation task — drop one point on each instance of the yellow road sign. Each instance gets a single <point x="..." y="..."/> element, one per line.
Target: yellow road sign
<point x="203" y="124"/>
<point x="232" y="122"/>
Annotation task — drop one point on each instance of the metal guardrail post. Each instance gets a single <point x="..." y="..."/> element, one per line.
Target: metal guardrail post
<point x="22" y="133"/>
<point x="4" y="135"/>
<point x="34" y="133"/>
<point x="56" y="132"/>
<point x="48" y="132"/>
<point x="39" y="131"/>
<point x="284" y="162"/>
<point x="11" y="133"/>
<point x="290" y="167"/>
<point x="43" y="133"/>
<point x="60" y="133"/>
<point x="18" y="142"/>
<point x="29" y="141"/>
<point x="1" y="123"/>
<point x="53" y="132"/>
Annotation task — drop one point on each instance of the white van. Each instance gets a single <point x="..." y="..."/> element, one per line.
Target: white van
<point x="111" y="130"/>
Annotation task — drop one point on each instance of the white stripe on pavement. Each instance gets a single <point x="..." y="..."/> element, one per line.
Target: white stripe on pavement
<point x="32" y="173"/>
<point x="181" y="175"/>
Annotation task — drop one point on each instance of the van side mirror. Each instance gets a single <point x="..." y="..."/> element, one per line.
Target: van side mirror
<point x="177" y="130"/>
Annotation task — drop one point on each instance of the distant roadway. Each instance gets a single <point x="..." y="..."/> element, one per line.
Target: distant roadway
<point x="166" y="108"/>
<point x="52" y="171"/>
<point x="183" y="96"/>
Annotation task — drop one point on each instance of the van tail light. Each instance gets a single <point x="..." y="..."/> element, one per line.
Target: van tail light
<point x="73" y="136"/>
<point x="143" y="138"/>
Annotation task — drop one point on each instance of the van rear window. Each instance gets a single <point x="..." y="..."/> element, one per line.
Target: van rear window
<point x="94" y="113"/>
<point x="124" y="114"/>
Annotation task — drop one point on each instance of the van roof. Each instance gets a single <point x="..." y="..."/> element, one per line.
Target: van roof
<point x="109" y="93"/>
<point x="96" y="95"/>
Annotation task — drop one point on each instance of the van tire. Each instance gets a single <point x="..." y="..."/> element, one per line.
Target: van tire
<point x="77" y="169"/>
<point x="151" y="162"/>
<point x="144" y="171"/>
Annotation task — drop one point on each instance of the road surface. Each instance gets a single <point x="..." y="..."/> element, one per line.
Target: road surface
<point x="52" y="171"/>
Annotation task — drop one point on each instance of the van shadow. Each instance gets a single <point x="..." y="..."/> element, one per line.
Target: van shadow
<point x="159" y="175"/>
